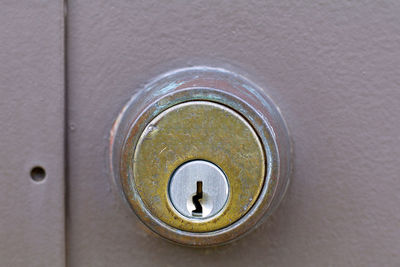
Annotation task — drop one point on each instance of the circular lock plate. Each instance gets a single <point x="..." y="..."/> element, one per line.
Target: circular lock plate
<point x="205" y="114"/>
<point x="199" y="130"/>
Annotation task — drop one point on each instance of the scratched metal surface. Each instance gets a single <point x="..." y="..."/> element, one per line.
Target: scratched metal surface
<point x="332" y="68"/>
<point x="32" y="215"/>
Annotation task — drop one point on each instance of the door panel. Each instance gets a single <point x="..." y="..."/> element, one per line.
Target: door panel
<point x="332" y="69"/>
<point x="32" y="133"/>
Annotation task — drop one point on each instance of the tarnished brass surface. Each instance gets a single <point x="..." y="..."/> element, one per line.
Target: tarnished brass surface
<point x="199" y="130"/>
<point x="209" y="114"/>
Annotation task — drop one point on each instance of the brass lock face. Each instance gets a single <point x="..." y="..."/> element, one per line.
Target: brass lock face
<point x="200" y="155"/>
<point x="198" y="130"/>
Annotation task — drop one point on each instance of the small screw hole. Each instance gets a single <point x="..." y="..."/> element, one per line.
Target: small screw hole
<point x="38" y="173"/>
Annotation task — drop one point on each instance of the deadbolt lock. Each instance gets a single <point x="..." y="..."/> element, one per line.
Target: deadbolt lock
<point x="201" y="155"/>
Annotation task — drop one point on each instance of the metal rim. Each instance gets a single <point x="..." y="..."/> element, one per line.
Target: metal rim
<point x="234" y="92"/>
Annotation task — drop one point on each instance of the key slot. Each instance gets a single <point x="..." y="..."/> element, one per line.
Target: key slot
<point x="198" y="211"/>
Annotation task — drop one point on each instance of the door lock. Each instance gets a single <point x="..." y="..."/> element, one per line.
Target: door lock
<point x="201" y="155"/>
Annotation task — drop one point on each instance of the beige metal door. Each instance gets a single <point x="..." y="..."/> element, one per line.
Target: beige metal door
<point x="331" y="67"/>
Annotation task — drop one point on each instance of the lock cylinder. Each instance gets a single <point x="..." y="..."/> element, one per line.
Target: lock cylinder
<point x="201" y="155"/>
<point x="198" y="190"/>
<point x="193" y="131"/>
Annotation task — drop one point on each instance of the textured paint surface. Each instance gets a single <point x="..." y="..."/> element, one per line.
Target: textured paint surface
<point x="32" y="133"/>
<point x="332" y="68"/>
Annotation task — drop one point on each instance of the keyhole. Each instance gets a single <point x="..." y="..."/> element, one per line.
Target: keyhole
<point x="198" y="211"/>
